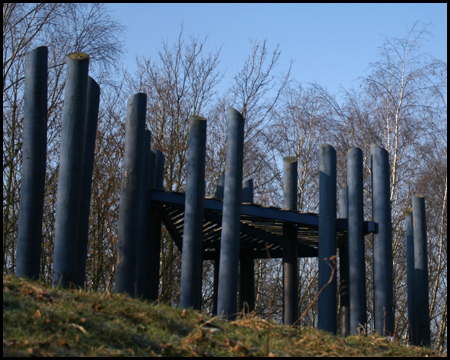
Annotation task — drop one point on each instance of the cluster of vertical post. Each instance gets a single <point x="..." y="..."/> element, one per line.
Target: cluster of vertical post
<point x="81" y="102"/>
<point x="79" y="126"/>
<point x="139" y="228"/>
<point x="352" y="254"/>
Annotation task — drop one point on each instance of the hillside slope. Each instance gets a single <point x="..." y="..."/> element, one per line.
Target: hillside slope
<point x="41" y="321"/>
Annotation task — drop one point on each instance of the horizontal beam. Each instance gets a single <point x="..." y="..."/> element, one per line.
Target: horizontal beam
<point x="256" y="254"/>
<point x="271" y="213"/>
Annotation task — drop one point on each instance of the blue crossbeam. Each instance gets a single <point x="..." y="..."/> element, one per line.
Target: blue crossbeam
<point x="257" y="211"/>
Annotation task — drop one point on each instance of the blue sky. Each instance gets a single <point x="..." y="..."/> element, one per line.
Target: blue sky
<point x="331" y="44"/>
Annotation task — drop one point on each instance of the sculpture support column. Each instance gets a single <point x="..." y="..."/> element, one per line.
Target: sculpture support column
<point x="356" y="241"/>
<point x="327" y="237"/>
<point x="131" y="193"/>
<point x="191" y="267"/>
<point x="344" y="268"/>
<point x="246" y="263"/>
<point x="89" y="136"/>
<point x="409" y="234"/>
<point x="421" y="271"/>
<point x="143" y="250"/>
<point x="154" y="223"/>
<point x="290" y="252"/>
<point x="68" y="207"/>
<point x="382" y="243"/>
<point x="229" y="250"/>
<point x="33" y="165"/>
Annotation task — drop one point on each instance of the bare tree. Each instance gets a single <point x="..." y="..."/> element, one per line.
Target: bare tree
<point x="298" y="127"/>
<point x="255" y="92"/>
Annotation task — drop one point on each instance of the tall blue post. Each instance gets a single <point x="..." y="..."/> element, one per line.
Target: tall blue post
<point x="67" y="219"/>
<point x="246" y="263"/>
<point x="327" y="237"/>
<point x="344" y="269"/>
<point x="357" y="274"/>
<point x="33" y="165"/>
<point x="421" y="271"/>
<point x="143" y="248"/>
<point x="90" y="133"/>
<point x="131" y="193"/>
<point x="290" y="253"/>
<point x="247" y="192"/>
<point x="382" y="243"/>
<point x="219" y="187"/>
<point x="157" y="179"/>
<point x="219" y="195"/>
<point x="409" y="233"/>
<point x="191" y="266"/>
<point x="156" y="176"/>
<point x="229" y="250"/>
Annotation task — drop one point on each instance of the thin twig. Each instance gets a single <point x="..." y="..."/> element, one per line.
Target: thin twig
<point x="333" y="270"/>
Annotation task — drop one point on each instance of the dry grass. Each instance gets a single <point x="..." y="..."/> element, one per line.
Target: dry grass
<point x="40" y="321"/>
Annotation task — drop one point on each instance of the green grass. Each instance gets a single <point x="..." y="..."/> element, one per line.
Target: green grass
<point x="41" y="321"/>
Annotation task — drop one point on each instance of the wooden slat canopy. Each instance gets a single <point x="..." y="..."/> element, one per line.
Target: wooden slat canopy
<point x="261" y="226"/>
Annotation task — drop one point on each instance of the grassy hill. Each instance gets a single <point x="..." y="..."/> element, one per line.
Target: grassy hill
<point x="41" y="321"/>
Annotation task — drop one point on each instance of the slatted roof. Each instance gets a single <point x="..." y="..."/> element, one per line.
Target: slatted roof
<point x="261" y="229"/>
